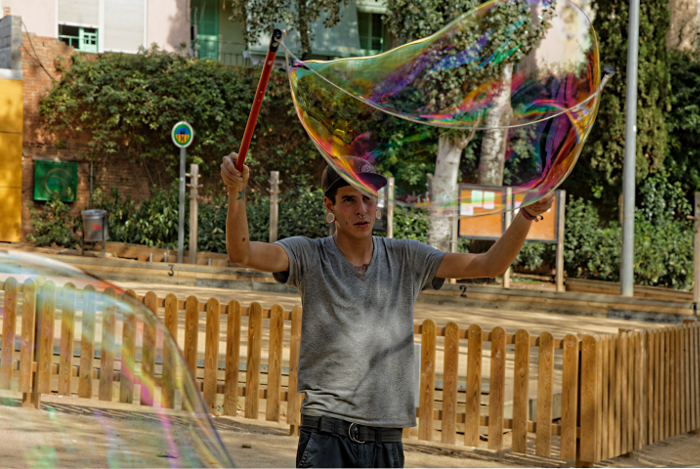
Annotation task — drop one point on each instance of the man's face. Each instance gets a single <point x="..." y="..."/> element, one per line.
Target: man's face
<point x="354" y="211"/>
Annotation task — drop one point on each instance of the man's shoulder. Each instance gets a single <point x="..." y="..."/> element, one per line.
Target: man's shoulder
<point x="399" y="246"/>
<point x="392" y="243"/>
<point x="303" y="242"/>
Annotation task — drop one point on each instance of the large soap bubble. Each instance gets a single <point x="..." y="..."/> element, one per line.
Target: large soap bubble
<point x="114" y="389"/>
<point x="514" y="82"/>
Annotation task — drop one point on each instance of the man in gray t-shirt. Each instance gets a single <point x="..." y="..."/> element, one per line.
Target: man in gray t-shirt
<point x="358" y="291"/>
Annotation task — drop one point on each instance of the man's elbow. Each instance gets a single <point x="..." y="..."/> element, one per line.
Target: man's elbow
<point x="237" y="257"/>
<point x="497" y="273"/>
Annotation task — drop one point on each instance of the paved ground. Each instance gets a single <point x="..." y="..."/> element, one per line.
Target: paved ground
<point x="68" y="433"/>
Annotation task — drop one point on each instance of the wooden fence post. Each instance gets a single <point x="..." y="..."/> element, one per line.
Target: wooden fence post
<point x="449" y="384"/>
<point x="605" y="385"/>
<point x="148" y="351"/>
<point x="194" y="211"/>
<point x="252" y="376"/>
<point x="109" y="310"/>
<point x="9" y="320"/>
<point x="568" y="398"/>
<point x="233" y="344"/>
<point x="211" y="354"/>
<point x="170" y="351"/>
<point x="589" y="402"/>
<point x="294" y="399"/>
<point x="128" y="365"/>
<point x="27" y="377"/>
<point x="521" y="391"/>
<point x="545" y="395"/>
<point x="274" y="204"/>
<point x="191" y="333"/>
<point x="472" y="418"/>
<point x="67" y="339"/>
<point x="274" y="367"/>
<point x="497" y="388"/>
<point x="46" y="310"/>
<point x="427" y="380"/>
<point x="87" y="342"/>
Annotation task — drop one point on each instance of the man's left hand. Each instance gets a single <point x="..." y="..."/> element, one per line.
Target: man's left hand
<point x="541" y="206"/>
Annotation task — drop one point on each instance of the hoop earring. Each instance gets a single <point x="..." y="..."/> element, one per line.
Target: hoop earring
<point x="378" y="214"/>
<point x="330" y="218"/>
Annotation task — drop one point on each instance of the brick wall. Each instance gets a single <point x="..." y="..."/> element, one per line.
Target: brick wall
<point x="40" y="142"/>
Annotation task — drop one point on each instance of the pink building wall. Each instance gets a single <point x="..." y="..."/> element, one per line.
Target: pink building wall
<point x="168" y="24"/>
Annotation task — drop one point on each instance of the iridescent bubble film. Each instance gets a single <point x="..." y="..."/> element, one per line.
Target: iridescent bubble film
<point x="114" y="390"/>
<point x="501" y="99"/>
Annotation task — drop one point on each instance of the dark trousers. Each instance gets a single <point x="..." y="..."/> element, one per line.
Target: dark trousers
<point x="320" y="449"/>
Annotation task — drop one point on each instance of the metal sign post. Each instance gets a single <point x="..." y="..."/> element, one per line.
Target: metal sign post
<point x="696" y="255"/>
<point x="182" y="135"/>
<point x="628" y="170"/>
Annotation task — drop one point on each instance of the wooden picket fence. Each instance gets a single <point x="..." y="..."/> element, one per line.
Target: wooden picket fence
<point x="619" y="392"/>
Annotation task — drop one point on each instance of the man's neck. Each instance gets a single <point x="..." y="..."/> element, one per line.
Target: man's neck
<point x="357" y="251"/>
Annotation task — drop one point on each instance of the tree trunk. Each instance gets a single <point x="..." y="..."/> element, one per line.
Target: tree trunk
<point x="493" y="145"/>
<point x="444" y="189"/>
<point x="303" y="29"/>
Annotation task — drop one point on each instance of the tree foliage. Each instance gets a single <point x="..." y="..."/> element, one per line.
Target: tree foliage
<point x="599" y="171"/>
<point x="126" y="105"/>
<point x="683" y="159"/>
<point x="262" y="16"/>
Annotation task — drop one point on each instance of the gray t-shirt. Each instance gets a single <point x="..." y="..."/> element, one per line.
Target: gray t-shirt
<point x="356" y="357"/>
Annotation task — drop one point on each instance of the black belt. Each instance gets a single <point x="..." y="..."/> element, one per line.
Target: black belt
<point x="357" y="433"/>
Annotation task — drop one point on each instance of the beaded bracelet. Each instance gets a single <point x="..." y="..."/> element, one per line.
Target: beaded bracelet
<point x="527" y="215"/>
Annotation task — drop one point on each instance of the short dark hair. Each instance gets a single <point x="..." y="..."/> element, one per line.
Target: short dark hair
<point x="362" y="169"/>
<point x="333" y="191"/>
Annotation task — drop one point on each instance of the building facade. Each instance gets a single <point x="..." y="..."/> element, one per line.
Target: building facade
<point x="106" y="25"/>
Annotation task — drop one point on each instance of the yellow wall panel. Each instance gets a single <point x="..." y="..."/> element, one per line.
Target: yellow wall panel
<point x="10" y="161"/>
<point x="11" y="105"/>
<point x="10" y="214"/>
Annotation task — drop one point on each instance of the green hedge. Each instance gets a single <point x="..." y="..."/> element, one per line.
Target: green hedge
<point x="663" y="236"/>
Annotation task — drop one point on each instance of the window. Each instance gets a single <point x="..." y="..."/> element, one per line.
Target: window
<point x="83" y="39"/>
<point x="205" y="15"/>
<point x="371" y="31"/>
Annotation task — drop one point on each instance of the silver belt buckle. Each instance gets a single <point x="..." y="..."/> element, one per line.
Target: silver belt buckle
<point x="352" y="438"/>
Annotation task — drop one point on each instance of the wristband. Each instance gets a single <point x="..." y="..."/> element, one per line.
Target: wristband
<point x="527" y="215"/>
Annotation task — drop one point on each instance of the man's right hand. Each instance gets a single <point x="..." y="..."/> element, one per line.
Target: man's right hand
<point x="234" y="179"/>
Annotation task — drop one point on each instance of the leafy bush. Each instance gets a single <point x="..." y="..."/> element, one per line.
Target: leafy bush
<point x="211" y="225"/>
<point x="124" y="106"/>
<point x="683" y="122"/>
<point x="53" y="224"/>
<point x="120" y="212"/>
<point x="663" y="253"/>
<point x="156" y="221"/>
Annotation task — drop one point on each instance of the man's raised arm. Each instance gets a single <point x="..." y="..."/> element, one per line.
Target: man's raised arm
<point x="501" y="255"/>
<point x="261" y="256"/>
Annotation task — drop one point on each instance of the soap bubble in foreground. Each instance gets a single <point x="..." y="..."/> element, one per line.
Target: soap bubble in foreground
<point x="138" y="406"/>
<point x="516" y="82"/>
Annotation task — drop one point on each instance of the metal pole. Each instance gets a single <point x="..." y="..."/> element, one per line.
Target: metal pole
<point x="696" y="257"/>
<point x="561" y="209"/>
<point x="194" y="209"/>
<point x="181" y="224"/>
<point x="390" y="208"/>
<point x="104" y="235"/>
<point x="508" y="220"/>
<point x="274" y="204"/>
<point x="628" y="181"/>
